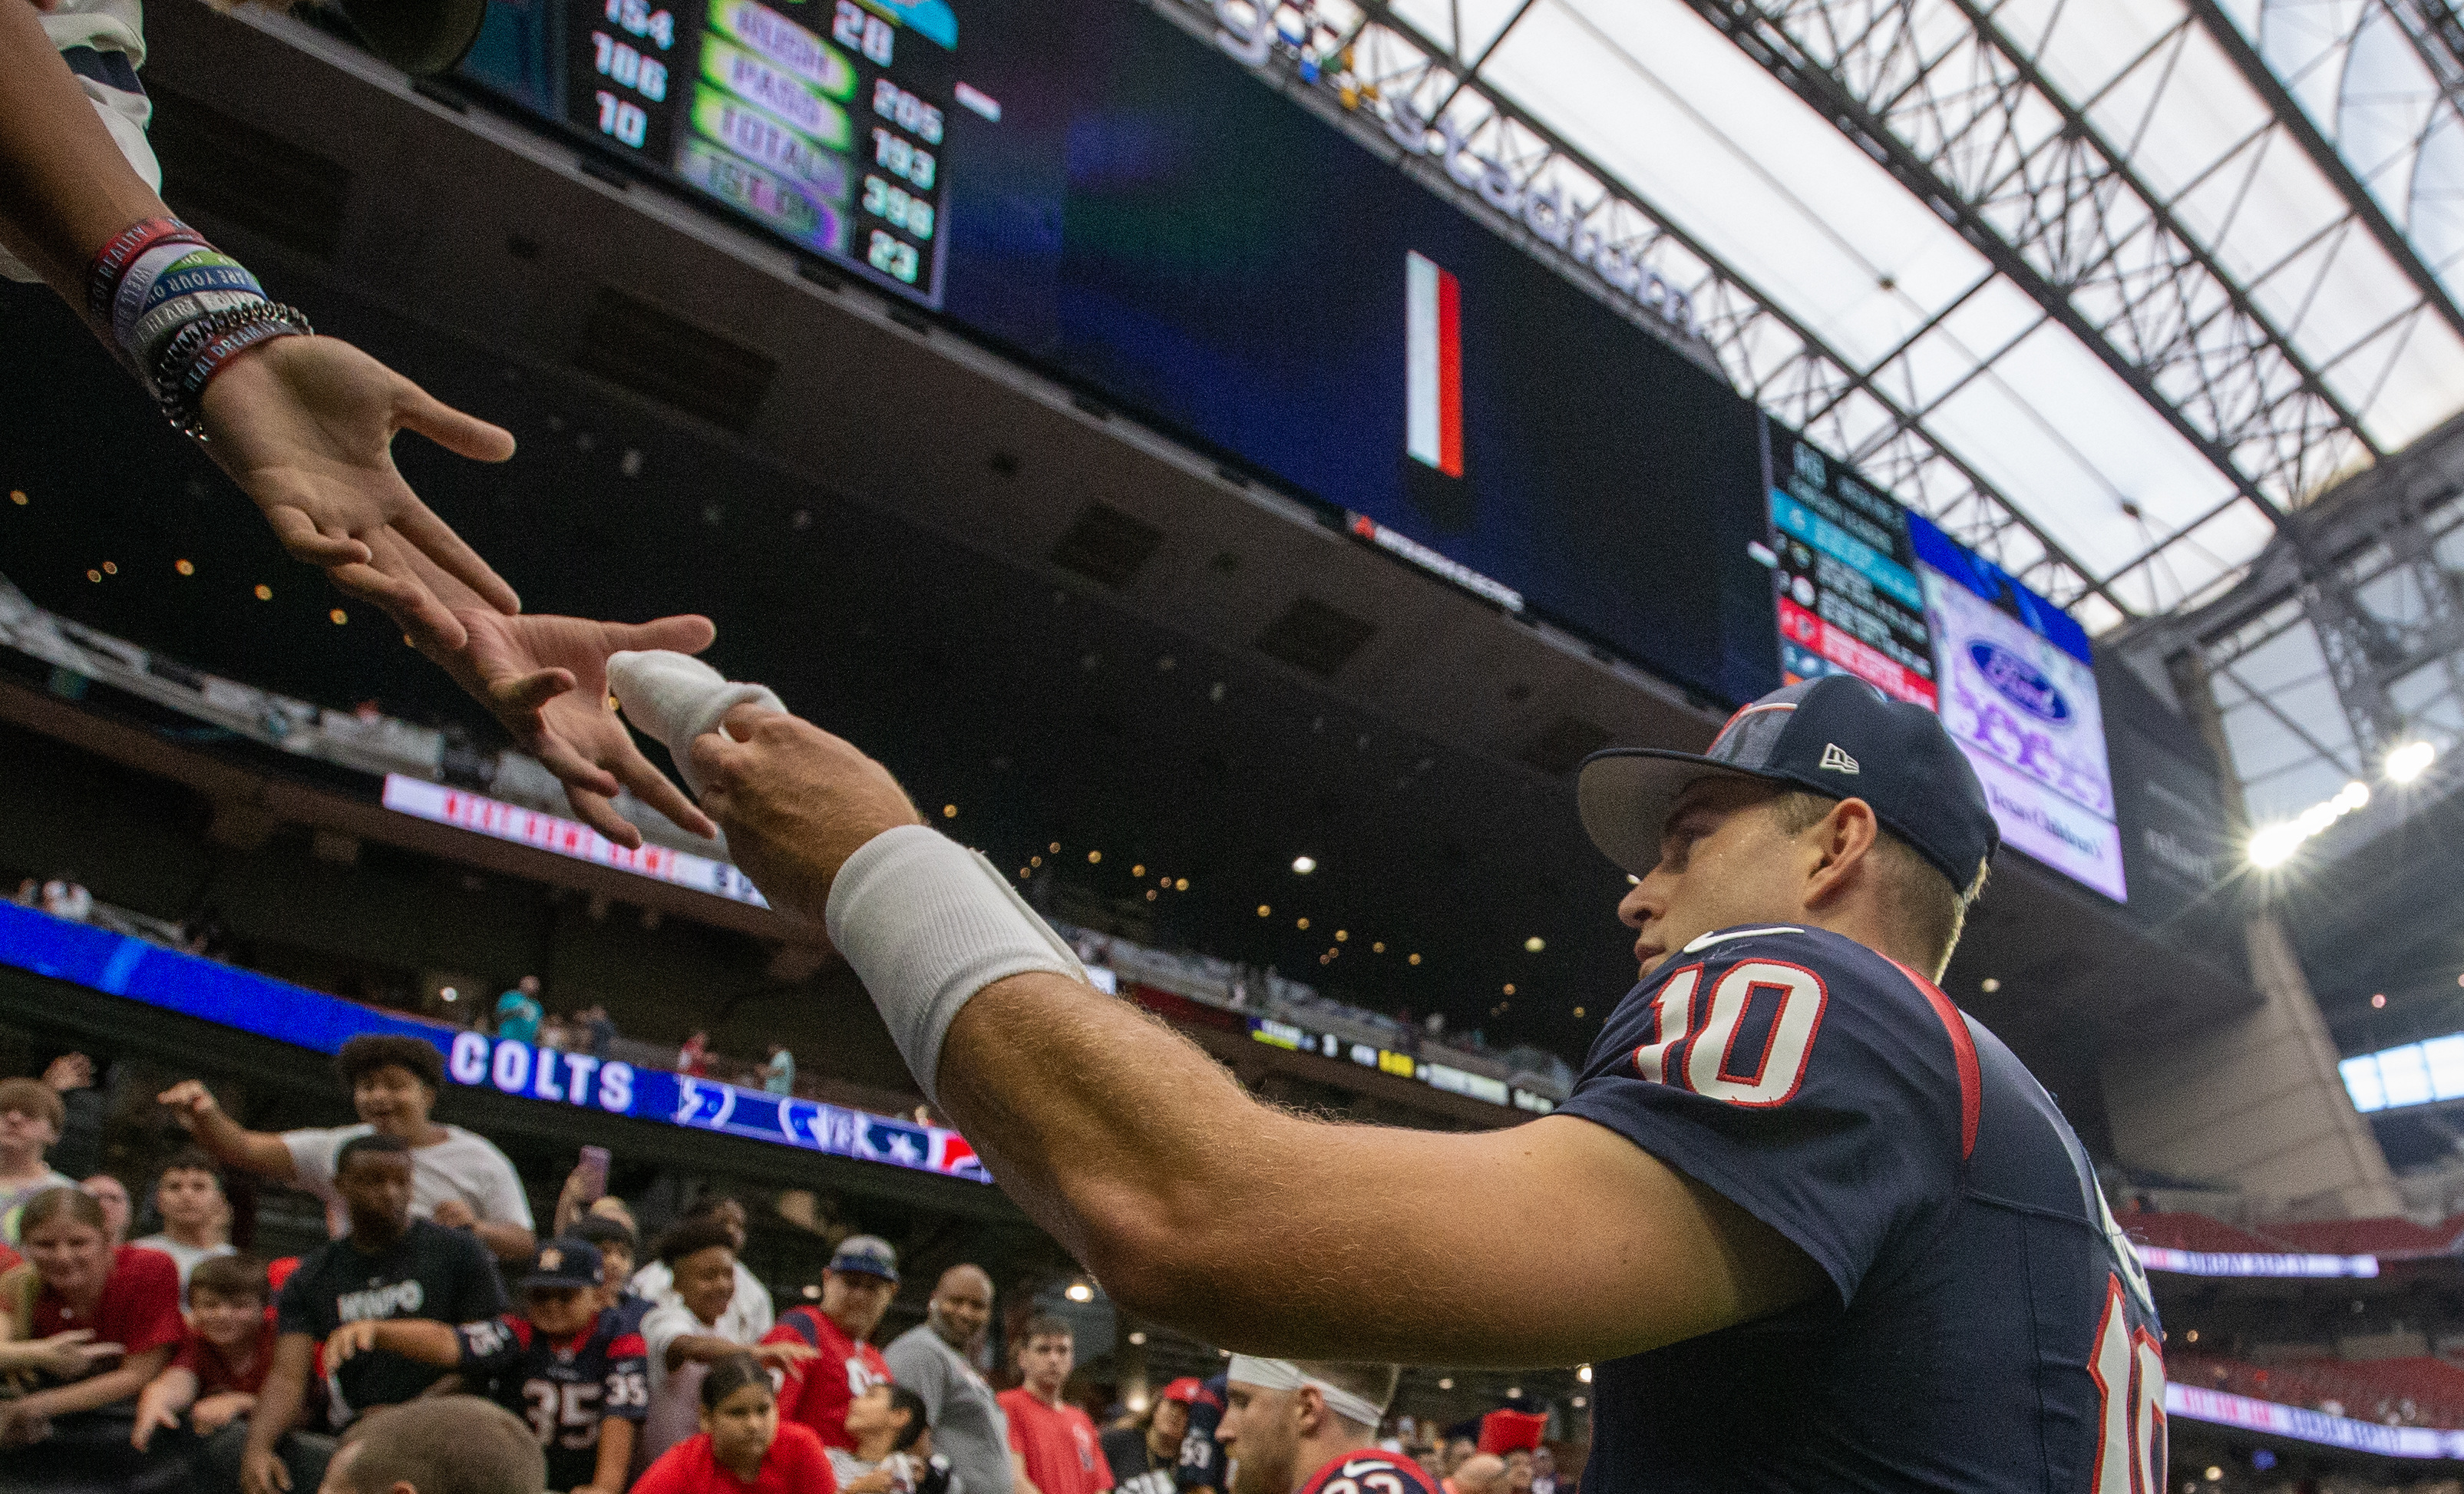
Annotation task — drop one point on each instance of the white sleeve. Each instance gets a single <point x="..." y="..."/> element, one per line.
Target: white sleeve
<point x="755" y="1298"/>
<point x="312" y="1155"/>
<point x="497" y="1188"/>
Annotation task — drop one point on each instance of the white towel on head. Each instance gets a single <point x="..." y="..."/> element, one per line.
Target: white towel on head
<point x="675" y="697"/>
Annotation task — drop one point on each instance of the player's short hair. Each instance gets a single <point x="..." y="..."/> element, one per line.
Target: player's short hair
<point x="1373" y="1383"/>
<point x="231" y="1278"/>
<point x="35" y="1098"/>
<point x="53" y="1202"/>
<point x="1046" y="1325"/>
<point x="693" y="1237"/>
<point x="445" y="1444"/>
<point x="371" y="1051"/>
<point x="919" y="1416"/>
<point x="188" y="1159"/>
<point x="1930" y="911"/>
<point x="374" y="1141"/>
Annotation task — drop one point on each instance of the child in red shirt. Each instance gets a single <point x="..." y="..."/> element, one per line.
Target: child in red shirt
<point x="742" y="1447"/>
<point x="221" y="1364"/>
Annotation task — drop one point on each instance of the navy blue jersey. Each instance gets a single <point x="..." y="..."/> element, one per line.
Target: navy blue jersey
<point x="1202" y="1456"/>
<point x="1989" y="1329"/>
<point x="563" y="1388"/>
<point x="1367" y="1470"/>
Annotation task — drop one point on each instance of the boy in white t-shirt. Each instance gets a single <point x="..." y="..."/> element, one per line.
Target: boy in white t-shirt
<point x="458" y="1178"/>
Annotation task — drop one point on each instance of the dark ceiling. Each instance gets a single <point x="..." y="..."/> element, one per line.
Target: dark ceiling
<point x="1042" y="711"/>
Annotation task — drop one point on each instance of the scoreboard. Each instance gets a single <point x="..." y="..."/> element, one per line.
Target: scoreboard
<point x="827" y="123"/>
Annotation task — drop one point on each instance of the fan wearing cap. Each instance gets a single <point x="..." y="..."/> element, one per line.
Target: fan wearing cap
<point x="1312" y="1428"/>
<point x="1811" y="1225"/>
<point x="1143" y="1454"/>
<point x="575" y="1373"/>
<point x="856" y="1288"/>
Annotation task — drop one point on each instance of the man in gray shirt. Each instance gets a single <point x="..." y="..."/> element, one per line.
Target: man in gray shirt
<point x="932" y="1360"/>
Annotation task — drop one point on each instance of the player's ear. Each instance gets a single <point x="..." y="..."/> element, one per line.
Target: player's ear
<point x="1844" y="842"/>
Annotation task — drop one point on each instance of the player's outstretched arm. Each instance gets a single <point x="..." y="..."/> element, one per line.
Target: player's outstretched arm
<point x="1234" y="1222"/>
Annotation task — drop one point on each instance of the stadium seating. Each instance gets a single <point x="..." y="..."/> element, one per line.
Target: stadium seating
<point x="2384" y="1238"/>
<point x="2410" y="1392"/>
<point x="2195" y="1232"/>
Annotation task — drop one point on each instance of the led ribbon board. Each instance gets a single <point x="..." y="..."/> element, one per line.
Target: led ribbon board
<point x="2223" y="1408"/>
<point x="119" y="965"/>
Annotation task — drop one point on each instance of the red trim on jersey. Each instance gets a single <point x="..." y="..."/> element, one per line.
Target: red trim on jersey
<point x="1963" y="1050"/>
<point x="518" y="1326"/>
<point x="629" y="1346"/>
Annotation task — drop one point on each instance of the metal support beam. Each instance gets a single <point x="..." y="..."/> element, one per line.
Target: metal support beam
<point x="2046" y="208"/>
<point x="2324" y="155"/>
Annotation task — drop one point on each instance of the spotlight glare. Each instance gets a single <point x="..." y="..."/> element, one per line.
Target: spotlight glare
<point x="1094" y="857"/>
<point x="949" y="812"/>
<point x="1138" y="1337"/>
<point x="1534" y="945"/>
<point x="1990" y="985"/>
<point x="1138" y="870"/>
<point x="2378" y="1002"/>
<point x="2409" y="761"/>
<point x="1583" y="1373"/>
<point x="1446" y="1384"/>
<point x="1304" y="865"/>
<point x="1080" y="1291"/>
<point x="1265" y="912"/>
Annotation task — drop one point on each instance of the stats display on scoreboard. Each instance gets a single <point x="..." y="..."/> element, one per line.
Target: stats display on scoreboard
<point x="1864" y="588"/>
<point x="826" y="121"/>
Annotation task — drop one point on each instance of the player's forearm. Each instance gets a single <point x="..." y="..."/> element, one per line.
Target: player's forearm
<point x="96" y="1390"/>
<point x="505" y="1241"/>
<point x="65" y="189"/>
<point x="174" y="1390"/>
<point x="234" y="1145"/>
<point x="615" y="1453"/>
<point x="423" y="1339"/>
<point x="285" y="1392"/>
<point x="1119" y="1137"/>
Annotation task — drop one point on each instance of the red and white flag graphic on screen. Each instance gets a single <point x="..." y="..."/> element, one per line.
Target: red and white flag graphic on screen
<point x="1433" y="356"/>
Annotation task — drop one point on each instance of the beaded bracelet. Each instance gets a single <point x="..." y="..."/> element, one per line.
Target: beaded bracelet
<point x="180" y="310"/>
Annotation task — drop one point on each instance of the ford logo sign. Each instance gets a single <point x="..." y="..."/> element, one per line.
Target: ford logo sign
<point x="2019" y="682"/>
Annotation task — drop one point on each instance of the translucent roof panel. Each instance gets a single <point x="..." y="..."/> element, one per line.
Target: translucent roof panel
<point x="2288" y="338"/>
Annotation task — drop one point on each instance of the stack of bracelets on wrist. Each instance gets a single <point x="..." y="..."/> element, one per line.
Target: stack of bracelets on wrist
<point x="178" y="311"/>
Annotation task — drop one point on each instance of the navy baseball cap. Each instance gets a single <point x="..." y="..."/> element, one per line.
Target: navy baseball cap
<point x="564" y="1261"/>
<point x="1837" y="736"/>
<point x="867" y="1255"/>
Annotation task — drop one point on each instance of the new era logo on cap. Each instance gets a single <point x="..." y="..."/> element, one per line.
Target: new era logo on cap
<point x="1810" y="735"/>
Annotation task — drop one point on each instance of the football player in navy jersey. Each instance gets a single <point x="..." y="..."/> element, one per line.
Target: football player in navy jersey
<point x="1312" y="1428"/>
<point x="574" y="1371"/>
<point x="1814" y="1226"/>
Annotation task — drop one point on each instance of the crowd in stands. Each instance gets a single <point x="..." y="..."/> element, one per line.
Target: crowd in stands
<point x="176" y="1362"/>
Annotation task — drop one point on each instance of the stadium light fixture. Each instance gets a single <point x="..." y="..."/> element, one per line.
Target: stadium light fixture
<point x="1304" y="865"/>
<point x="1447" y="1383"/>
<point x="2273" y="845"/>
<point x="1534" y="945"/>
<point x="1080" y="1291"/>
<point x="1139" y="1337"/>
<point x="1583" y="1373"/>
<point x="2409" y="761"/>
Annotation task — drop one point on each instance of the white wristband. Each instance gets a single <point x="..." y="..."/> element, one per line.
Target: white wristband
<point x="926" y="923"/>
<point x="675" y="697"/>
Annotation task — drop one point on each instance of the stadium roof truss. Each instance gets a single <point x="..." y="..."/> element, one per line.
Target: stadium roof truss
<point x="2108" y="288"/>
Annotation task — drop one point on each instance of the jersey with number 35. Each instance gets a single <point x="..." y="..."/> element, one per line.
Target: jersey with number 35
<point x="1988" y="1327"/>
<point x="563" y="1388"/>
